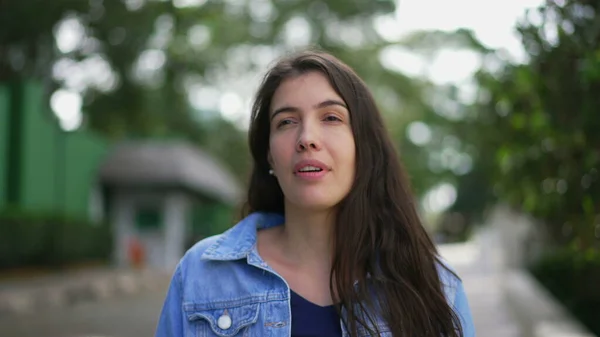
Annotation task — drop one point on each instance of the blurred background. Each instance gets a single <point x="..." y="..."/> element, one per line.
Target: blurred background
<point x="123" y="142"/>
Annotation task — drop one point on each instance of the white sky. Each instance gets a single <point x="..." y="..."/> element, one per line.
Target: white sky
<point x="493" y="23"/>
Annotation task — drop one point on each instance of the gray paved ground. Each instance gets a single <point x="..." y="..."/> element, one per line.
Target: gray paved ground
<point x="132" y="316"/>
<point x="136" y="315"/>
<point x="476" y="265"/>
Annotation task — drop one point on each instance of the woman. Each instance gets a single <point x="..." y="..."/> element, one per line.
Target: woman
<point x="331" y="243"/>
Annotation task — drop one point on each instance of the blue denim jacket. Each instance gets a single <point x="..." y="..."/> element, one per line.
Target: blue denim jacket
<point x="222" y="287"/>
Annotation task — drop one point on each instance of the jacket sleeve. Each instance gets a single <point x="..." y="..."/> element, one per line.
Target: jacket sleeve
<point x="461" y="306"/>
<point x="171" y="320"/>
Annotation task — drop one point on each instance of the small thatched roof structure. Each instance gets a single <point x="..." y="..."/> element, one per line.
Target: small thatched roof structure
<point x="156" y="164"/>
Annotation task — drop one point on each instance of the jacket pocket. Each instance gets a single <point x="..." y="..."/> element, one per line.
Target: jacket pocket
<point x="223" y="320"/>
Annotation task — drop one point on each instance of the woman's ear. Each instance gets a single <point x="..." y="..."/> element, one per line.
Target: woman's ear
<point x="270" y="161"/>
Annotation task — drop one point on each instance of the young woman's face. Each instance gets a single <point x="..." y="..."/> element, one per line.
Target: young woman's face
<point x="311" y="150"/>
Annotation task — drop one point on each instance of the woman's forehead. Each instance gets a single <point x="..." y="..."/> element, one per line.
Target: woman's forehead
<point x="303" y="92"/>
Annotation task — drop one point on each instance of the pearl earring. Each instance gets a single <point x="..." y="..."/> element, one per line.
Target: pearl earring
<point x="271" y="172"/>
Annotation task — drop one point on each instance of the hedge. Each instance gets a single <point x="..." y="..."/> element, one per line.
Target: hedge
<point x="50" y="240"/>
<point x="573" y="277"/>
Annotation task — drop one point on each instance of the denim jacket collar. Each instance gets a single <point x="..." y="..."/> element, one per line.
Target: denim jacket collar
<point x="237" y="242"/>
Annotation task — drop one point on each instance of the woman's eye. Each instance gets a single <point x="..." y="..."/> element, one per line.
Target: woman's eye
<point x="332" y="118"/>
<point x="284" y="122"/>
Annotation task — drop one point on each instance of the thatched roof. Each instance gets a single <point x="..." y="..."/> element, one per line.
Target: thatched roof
<point x="169" y="164"/>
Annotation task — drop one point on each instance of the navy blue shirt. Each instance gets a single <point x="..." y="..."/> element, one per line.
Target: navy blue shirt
<point x="312" y="320"/>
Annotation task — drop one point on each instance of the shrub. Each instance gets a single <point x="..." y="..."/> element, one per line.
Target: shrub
<point x="37" y="239"/>
<point x="573" y="277"/>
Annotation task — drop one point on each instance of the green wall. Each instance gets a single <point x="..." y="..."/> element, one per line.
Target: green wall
<point x="3" y="142"/>
<point x="84" y="155"/>
<point x="58" y="169"/>
<point x="38" y="157"/>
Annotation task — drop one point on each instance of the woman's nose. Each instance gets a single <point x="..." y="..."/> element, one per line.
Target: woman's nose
<point x="308" y="139"/>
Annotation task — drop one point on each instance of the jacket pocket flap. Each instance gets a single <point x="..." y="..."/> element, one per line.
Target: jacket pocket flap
<point x="224" y="320"/>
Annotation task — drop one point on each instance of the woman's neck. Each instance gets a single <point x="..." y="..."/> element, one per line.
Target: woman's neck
<point x="307" y="237"/>
<point x="300" y="251"/>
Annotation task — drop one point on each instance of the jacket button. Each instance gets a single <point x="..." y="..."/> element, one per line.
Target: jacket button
<point x="224" y="322"/>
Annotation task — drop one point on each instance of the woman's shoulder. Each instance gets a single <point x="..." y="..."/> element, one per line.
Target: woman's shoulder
<point x="193" y="261"/>
<point x="449" y="278"/>
<point x="196" y="252"/>
<point x="233" y="244"/>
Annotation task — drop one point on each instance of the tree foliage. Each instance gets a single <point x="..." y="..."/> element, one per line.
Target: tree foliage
<point x="137" y="63"/>
<point x="535" y="125"/>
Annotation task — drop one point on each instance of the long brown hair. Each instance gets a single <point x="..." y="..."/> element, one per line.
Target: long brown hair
<point x="384" y="262"/>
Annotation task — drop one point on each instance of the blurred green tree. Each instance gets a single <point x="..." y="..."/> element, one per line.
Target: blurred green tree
<point x="535" y="125"/>
<point x="141" y="65"/>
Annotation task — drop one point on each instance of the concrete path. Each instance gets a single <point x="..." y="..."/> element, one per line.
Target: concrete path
<point x="477" y="264"/>
<point x="135" y="315"/>
<point x="30" y="295"/>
